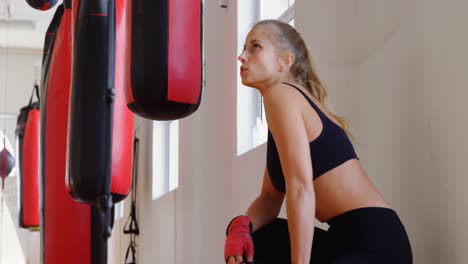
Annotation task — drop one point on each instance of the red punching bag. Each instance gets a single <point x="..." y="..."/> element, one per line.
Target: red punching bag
<point x="69" y="230"/>
<point x="164" y="58"/>
<point x="62" y="218"/>
<point x="100" y="124"/>
<point x="27" y="134"/>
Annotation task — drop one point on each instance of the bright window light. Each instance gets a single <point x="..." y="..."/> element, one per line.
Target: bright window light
<point x="118" y="210"/>
<point x="165" y="157"/>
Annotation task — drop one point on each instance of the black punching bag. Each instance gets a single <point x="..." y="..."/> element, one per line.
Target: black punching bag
<point x="164" y="68"/>
<point x="100" y="124"/>
<point x="66" y="226"/>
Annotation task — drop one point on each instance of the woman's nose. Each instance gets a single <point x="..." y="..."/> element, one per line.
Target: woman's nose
<point x="241" y="57"/>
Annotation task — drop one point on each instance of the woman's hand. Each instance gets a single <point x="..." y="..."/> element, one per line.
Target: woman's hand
<point x="239" y="245"/>
<point x="238" y="260"/>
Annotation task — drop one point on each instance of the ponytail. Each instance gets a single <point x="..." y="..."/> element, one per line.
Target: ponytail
<point x="303" y="68"/>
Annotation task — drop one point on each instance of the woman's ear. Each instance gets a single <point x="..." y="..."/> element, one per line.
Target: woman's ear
<point x="286" y="61"/>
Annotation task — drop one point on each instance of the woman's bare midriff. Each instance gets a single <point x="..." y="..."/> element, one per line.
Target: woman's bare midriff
<point x="345" y="188"/>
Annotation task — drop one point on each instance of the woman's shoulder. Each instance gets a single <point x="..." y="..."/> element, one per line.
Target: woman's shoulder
<point x="282" y="105"/>
<point x="281" y="94"/>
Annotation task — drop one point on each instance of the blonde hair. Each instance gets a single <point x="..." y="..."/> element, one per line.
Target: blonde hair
<point x="303" y="68"/>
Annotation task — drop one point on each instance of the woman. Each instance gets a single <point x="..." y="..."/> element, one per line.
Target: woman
<point x="311" y="164"/>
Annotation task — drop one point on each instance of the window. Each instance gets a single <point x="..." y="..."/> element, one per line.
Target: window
<point x="165" y="157"/>
<point x="119" y="210"/>
<point x="252" y="128"/>
<point x="277" y="9"/>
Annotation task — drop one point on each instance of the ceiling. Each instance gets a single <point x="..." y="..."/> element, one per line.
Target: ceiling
<point x="22" y="26"/>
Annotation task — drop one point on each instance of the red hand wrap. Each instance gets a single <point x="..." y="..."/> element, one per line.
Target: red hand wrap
<point x="238" y="239"/>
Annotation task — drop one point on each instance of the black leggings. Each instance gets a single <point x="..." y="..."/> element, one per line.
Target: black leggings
<point x="360" y="236"/>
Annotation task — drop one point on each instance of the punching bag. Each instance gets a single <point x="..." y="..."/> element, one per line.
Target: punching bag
<point x="7" y="162"/>
<point x="70" y="231"/>
<point x="27" y="138"/>
<point x="49" y="41"/>
<point x="42" y="4"/>
<point x="100" y="124"/>
<point x="164" y="58"/>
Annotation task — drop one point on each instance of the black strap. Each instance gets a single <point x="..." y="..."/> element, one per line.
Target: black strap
<point x="35" y="89"/>
<point x="131" y="249"/>
<point x="67" y="4"/>
<point x="131" y="226"/>
<point x="136" y="151"/>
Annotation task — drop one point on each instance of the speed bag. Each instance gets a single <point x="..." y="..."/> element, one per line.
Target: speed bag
<point x="164" y="68"/>
<point x="66" y="225"/>
<point x="7" y="163"/>
<point x="42" y="4"/>
<point x="100" y="124"/>
<point x="27" y="134"/>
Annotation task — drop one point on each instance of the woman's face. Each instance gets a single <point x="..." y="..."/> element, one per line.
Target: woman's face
<point x="259" y="59"/>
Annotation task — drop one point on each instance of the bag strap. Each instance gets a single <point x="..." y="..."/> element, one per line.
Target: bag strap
<point x="131" y="249"/>
<point x="35" y="89"/>
<point x="131" y="225"/>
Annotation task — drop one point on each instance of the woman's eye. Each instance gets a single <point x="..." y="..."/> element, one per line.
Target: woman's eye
<point x="256" y="46"/>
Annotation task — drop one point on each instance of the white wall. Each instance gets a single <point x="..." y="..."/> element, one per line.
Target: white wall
<point x="401" y="85"/>
<point x="445" y="81"/>
<point x="16" y="84"/>
<point x="22" y="26"/>
<point x="377" y="85"/>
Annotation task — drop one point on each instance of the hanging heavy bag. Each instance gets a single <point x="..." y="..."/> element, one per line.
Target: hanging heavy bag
<point x="100" y="132"/>
<point x="27" y="138"/>
<point x="164" y="58"/>
<point x="49" y="41"/>
<point x="70" y="231"/>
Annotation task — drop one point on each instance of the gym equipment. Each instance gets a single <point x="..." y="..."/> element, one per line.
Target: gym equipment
<point x="164" y="68"/>
<point x="27" y="138"/>
<point x="42" y="4"/>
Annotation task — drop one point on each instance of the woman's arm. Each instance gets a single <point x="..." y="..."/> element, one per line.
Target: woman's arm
<point x="262" y="211"/>
<point x="267" y="205"/>
<point x="284" y="116"/>
<point x="300" y="207"/>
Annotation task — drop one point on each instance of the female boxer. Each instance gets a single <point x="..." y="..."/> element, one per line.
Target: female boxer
<point x="311" y="164"/>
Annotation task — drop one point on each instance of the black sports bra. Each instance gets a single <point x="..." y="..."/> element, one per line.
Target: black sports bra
<point x="329" y="150"/>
